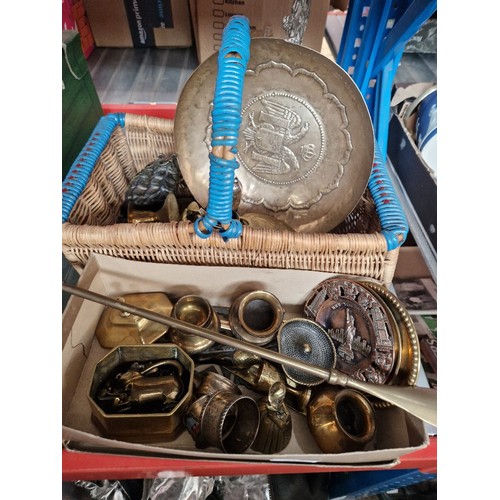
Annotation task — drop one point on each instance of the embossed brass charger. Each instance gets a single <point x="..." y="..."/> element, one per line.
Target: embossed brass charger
<point x="371" y="329"/>
<point x="306" y="143"/>
<point x="357" y="322"/>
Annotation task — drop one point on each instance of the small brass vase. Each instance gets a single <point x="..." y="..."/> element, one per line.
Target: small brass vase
<point x="256" y="317"/>
<point x="340" y="420"/>
<point x="195" y="310"/>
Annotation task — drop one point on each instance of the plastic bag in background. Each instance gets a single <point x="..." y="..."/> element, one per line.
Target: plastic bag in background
<point x="252" y="487"/>
<point x="308" y="486"/>
<point x="182" y="488"/>
<point x="101" y="490"/>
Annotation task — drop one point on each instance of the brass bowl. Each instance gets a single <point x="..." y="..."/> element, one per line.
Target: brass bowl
<point x="306" y="142"/>
<point x="256" y="316"/>
<point x="141" y="427"/>
<point x="195" y="310"/>
<point x="340" y="420"/>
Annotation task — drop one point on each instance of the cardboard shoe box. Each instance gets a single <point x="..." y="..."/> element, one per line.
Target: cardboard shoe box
<point x="397" y="432"/>
<point x="209" y="17"/>
<point x="417" y="177"/>
<point x="140" y="23"/>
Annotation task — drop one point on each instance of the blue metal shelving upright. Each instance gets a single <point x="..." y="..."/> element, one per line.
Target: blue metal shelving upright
<point x="373" y="41"/>
<point x="372" y="44"/>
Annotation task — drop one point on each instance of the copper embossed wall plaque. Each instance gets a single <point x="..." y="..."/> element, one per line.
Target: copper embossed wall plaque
<point x="306" y="142"/>
<point x="359" y="327"/>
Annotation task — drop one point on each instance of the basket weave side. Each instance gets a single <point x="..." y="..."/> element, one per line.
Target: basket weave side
<point x="128" y="151"/>
<point x="362" y="219"/>
<point x="147" y="137"/>
<point x="100" y="201"/>
<point x="92" y="224"/>
<point x="357" y="254"/>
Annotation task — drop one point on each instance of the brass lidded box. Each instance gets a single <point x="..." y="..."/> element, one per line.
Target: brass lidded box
<point x="142" y="427"/>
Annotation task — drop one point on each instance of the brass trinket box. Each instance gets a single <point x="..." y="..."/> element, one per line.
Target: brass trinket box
<point x="141" y="427"/>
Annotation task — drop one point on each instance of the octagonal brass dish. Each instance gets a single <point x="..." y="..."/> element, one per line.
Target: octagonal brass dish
<point x="306" y="143"/>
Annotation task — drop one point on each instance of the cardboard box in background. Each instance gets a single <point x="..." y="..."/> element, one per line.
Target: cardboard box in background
<point x="411" y="264"/>
<point x="209" y="17"/>
<point x="83" y="27"/>
<point x="140" y="23"/>
<point x="398" y="433"/>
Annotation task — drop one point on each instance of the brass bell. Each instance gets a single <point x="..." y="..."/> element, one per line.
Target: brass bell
<point x="275" y="428"/>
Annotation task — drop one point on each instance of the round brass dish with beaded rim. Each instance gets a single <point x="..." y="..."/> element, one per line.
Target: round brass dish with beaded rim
<point x="305" y="146"/>
<point x="356" y="319"/>
<point x="410" y="349"/>
<point x="398" y="353"/>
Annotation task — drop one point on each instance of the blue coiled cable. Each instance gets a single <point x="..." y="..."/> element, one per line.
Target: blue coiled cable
<point x="392" y="218"/>
<point x="78" y="175"/>
<point x="226" y="119"/>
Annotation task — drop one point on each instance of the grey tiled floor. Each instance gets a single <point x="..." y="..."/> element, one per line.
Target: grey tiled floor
<point x="136" y="76"/>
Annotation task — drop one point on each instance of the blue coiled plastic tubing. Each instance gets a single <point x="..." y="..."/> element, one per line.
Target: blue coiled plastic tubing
<point x="226" y="119"/>
<point x="392" y="219"/>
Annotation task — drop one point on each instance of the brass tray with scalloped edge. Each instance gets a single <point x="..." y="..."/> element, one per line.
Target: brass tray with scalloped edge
<point x="306" y="140"/>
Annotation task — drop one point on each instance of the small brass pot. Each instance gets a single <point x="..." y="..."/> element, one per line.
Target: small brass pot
<point x="256" y="316"/>
<point x="340" y="420"/>
<point x="197" y="311"/>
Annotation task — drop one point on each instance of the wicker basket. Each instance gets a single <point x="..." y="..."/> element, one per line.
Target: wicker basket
<point x="122" y="144"/>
